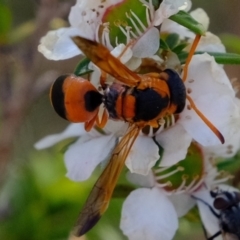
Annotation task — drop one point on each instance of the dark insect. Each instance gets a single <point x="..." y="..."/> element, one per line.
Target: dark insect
<point x="228" y="206"/>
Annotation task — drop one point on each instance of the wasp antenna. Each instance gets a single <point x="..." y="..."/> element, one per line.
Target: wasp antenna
<point x="189" y="58"/>
<point x="206" y="121"/>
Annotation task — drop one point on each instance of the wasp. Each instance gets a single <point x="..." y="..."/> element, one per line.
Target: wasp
<point x="228" y="206"/>
<point x="141" y="100"/>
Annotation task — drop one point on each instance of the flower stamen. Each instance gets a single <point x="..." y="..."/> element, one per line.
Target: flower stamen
<point x="179" y="169"/>
<point x="199" y="183"/>
<point x="181" y="188"/>
<point x="149" y="6"/>
<point x="163" y="185"/>
<point x="134" y="24"/>
<point x="105" y="36"/>
<point x="222" y="180"/>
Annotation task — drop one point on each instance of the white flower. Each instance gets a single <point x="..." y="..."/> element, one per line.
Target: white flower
<point x="91" y="148"/>
<point x="86" y="17"/>
<point x="154" y="208"/>
<point x="147" y="214"/>
<point x="232" y="140"/>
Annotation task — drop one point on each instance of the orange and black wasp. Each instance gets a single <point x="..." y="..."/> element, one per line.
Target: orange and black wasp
<point x="141" y="100"/>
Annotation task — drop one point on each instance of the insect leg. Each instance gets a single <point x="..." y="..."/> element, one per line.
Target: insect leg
<point x="206" y="121"/>
<point x="189" y="58"/>
<point x="104" y="118"/>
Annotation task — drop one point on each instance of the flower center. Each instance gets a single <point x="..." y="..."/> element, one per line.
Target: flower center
<point x="185" y="176"/>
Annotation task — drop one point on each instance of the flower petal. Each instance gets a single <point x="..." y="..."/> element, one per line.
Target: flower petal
<point x="57" y="45"/>
<point x="148" y="44"/>
<point x="119" y="128"/>
<point x="175" y="148"/>
<point x="143" y="155"/>
<point x="90" y="12"/>
<point x="209" y="88"/>
<point x="73" y="130"/>
<point x="141" y="180"/>
<point x="182" y="203"/>
<point x="201" y="16"/>
<point x="228" y="149"/>
<point x="210" y="43"/>
<point x="83" y="156"/>
<point x="117" y="51"/>
<point x="169" y="7"/>
<point x="147" y="214"/>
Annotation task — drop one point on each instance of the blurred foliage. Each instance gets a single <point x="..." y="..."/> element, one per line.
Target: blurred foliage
<point x="5" y="22"/>
<point x="231" y="42"/>
<point x="39" y="202"/>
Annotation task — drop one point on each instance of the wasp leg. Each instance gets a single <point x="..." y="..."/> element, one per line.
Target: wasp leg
<point x="206" y="121"/>
<point x="104" y="118"/>
<point x="190" y="55"/>
<point x="88" y="125"/>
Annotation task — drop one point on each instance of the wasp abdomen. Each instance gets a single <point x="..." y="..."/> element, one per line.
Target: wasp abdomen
<point x="149" y="104"/>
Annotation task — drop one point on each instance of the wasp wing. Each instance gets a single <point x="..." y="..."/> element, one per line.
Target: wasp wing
<point x="99" y="197"/>
<point x="102" y="57"/>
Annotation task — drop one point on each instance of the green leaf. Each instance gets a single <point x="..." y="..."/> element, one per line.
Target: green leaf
<point x="156" y="3"/>
<point x="221" y="58"/>
<point x="187" y="21"/>
<point x="172" y="40"/>
<point x="82" y="67"/>
<point x="163" y="44"/>
<point x="225" y="58"/>
<point x="230" y="164"/>
<point x="179" y="48"/>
